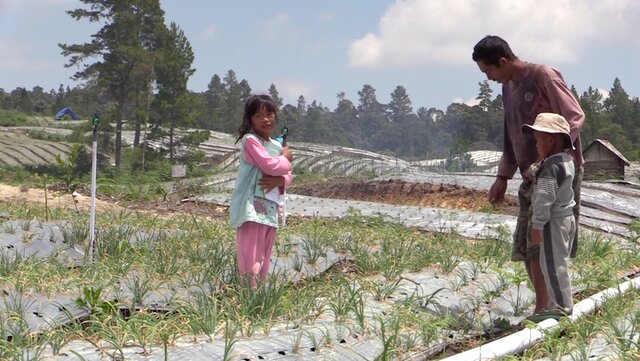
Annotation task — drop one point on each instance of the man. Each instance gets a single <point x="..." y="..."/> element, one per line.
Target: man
<point x="527" y="90"/>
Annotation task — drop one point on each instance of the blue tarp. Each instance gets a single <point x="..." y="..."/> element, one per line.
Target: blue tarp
<point x="65" y="111"/>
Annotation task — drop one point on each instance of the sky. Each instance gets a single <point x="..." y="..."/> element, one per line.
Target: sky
<point x="321" y="48"/>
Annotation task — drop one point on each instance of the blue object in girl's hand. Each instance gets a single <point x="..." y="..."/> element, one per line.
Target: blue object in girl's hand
<point x="282" y="138"/>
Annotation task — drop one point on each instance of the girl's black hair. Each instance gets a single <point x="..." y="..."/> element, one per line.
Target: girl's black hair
<point x="251" y="107"/>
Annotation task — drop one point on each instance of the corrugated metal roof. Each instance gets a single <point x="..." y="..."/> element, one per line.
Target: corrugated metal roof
<point x="605" y="143"/>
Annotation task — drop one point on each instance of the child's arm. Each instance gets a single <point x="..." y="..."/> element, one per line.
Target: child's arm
<point x="256" y="154"/>
<point x="268" y="182"/>
<point x="545" y="195"/>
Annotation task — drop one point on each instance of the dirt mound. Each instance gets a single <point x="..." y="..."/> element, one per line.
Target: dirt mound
<point x="400" y="192"/>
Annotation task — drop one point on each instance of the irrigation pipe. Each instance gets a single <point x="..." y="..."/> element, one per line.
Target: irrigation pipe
<point x="524" y="339"/>
<point x="94" y="171"/>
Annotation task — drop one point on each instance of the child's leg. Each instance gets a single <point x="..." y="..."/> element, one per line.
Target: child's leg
<point x="248" y="236"/>
<point x="266" y="249"/>
<point x="524" y="250"/>
<point x="255" y="243"/>
<point x="554" y="260"/>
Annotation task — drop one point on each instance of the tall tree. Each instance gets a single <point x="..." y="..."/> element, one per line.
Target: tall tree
<point x="400" y="104"/>
<point x="123" y="46"/>
<point x="368" y="100"/>
<point x="302" y="105"/>
<point x="484" y="96"/>
<point x="60" y="100"/>
<point x="591" y="104"/>
<point x="214" y="97"/>
<point x="21" y="100"/>
<point x="245" y="92"/>
<point x="215" y="92"/>
<point x="371" y="115"/>
<point x="174" y="70"/>
<point x="273" y="92"/>
<point x="619" y="106"/>
<point x="233" y="103"/>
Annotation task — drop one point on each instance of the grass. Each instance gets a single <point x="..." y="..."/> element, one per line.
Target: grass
<point x="13" y="118"/>
<point x="193" y="259"/>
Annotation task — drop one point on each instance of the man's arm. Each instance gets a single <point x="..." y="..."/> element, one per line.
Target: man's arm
<point x="563" y="101"/>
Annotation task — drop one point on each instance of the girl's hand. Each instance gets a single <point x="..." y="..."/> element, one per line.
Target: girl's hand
<point x="268" y="182"/>
<point x="287" y="153"/>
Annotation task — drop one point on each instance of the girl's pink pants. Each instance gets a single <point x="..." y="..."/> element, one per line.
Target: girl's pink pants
<point x="255" y="243"/>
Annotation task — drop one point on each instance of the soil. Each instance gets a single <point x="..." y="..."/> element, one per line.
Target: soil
<point x="405" y="193"/>
<point x="82" y="203"/>
<point x="391" y="192"/>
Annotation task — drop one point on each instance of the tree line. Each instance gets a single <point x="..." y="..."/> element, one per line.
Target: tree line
<point x="136" y="68"/>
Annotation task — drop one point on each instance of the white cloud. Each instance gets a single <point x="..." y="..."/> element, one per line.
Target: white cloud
<point x="418" y="32"/>
<point x="471" y="102"/>
<point x="209" y="33"/>
<point x="604" y="93"/>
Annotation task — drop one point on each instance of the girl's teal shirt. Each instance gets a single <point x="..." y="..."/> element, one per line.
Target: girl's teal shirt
<point x="248" y="202"/>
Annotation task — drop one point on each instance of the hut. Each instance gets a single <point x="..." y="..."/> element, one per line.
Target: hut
<point x="603" y="160"/>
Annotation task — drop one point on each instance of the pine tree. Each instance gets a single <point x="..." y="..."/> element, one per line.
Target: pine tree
<point x="273" y="92"/>
<point x="174" y="70"/>
<point x="124" y="45"/>
<point x="485" y="96"/>
<point x="400" y="104"/>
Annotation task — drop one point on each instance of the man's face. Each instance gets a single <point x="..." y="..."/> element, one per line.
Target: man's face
<point x="496" y="73"/>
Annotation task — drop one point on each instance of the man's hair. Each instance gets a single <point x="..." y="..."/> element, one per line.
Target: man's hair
<point x="490" y="49"/>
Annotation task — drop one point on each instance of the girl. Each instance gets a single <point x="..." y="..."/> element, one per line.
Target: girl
<point x="264" y="165"/>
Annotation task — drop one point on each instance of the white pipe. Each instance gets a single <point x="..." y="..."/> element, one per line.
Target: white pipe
<point x="524" y="339"/>
<point x="92" y="222"/>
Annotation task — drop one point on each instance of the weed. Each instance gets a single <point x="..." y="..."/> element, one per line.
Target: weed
<point x="388" y="333"/>
<point x="9" y="262"/>
<point x="382" y="290"/>
<point x="202" y="314"/>
<point x="230" y="331"/>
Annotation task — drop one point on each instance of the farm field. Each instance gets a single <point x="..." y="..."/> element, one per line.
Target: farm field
<point x="19" y="150"/>
<point x="406" y="264"/>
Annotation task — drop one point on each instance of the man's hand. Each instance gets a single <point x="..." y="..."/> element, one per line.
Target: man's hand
<point x="268" y="182"/>
<point x="536" y="236"/>
<point x="497" y="191"/>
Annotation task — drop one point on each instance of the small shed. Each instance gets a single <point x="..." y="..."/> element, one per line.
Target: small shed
<point x="603" y="160"/>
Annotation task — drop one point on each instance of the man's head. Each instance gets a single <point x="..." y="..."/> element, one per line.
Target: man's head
<point x="494" y="57"/>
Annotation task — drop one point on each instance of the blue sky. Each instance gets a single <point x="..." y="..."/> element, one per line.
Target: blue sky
<point x="320" y="48"/>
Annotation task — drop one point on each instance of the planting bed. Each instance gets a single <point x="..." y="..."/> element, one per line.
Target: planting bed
<point x="353" y="289"/>
<point x="409" y="265"/>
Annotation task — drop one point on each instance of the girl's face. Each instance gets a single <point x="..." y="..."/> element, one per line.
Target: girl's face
<point x="263" y="122"/>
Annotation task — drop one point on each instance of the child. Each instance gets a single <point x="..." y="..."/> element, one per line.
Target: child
<point x="264" y="165"/>
<point x="553" y="223"/>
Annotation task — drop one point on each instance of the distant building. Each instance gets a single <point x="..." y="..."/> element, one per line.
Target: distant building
<point x="603" y="160"/>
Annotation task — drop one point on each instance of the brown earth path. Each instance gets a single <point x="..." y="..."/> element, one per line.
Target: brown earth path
<point x="405" y="193"/>
<point x="390" y="192"/>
